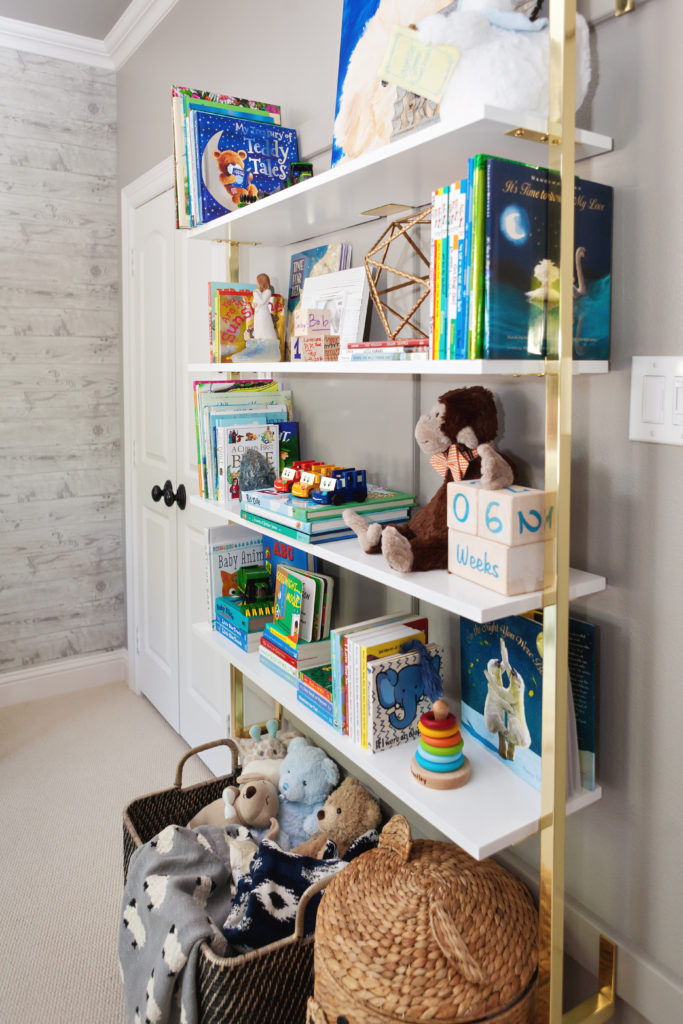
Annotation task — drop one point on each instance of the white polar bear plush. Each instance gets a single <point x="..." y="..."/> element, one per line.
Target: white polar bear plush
<point x="504" y="58"/>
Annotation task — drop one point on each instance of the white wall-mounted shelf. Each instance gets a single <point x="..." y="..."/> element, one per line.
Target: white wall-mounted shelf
<point x="439" y="367"/>
<point x="341" y="197"/>
<point x="494" y="809"/>
<point x="437" y="587"/>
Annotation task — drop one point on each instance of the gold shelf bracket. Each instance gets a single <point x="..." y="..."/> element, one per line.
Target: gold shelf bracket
<point x="237" y="727"/>
<point x="599" y="1007"/>
<point x="532" y="136"/>
<point x="624" y="7"/>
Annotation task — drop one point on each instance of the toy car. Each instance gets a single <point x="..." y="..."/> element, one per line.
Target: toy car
<point x="290" y="475"/>
<point x="252" y="583"/>
<point x="329" y="485"/>
<point x="310" y="480"/>
<point x="349" y="485"/>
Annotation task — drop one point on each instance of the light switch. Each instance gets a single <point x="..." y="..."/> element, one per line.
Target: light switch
<point x="656" y="407"/>
<point x="653" y="398"/>
<point x="677" y="416"/>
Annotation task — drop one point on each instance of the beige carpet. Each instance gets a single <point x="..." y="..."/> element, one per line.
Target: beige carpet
<point x="68" y="766"/>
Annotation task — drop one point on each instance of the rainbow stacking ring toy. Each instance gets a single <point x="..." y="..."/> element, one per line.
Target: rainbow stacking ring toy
<point x="439" y="761"/>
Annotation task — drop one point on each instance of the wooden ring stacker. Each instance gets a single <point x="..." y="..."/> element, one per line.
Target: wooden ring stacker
<point x="440" y="780"/>
<point x="428" y="721"/>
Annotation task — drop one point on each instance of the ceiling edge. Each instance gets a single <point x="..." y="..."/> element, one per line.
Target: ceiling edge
<point x="136" y="23"/>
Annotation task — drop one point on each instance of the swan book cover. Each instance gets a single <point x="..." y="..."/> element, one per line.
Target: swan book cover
<point x="521" y="305"/>
<point x="235" y="156"/>
<point x="501" y="678"/>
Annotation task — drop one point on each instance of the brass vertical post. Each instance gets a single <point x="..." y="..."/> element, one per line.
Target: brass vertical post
<point x="561" y="130"/>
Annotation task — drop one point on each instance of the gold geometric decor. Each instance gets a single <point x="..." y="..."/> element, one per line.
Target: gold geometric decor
<point x="397" y="230"/>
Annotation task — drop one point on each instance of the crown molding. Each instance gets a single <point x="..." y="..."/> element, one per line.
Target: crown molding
<point x="136" y="23"/>
<point x="52" y="42"/>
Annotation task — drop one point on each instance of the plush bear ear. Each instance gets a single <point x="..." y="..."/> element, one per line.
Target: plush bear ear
<point x="330" y="771"/>
<point x="298" y="743"/>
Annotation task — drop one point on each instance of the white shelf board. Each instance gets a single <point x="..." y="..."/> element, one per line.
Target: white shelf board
<point x="339" y="197"/>
<point x="440" y="367"/>
<point x="437" y="587"/>
<point x="494" y="809"/>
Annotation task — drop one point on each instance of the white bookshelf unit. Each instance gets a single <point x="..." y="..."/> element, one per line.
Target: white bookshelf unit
<point x="496" y="808"/>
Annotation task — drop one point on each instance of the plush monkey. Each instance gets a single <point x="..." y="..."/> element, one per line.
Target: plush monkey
<point x="457" y="433"/>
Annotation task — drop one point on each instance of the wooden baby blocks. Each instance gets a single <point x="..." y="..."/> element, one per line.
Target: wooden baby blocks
<point x="513" y="515"/>
<point x="495" y="538"/>
<point x="507" y="570"/>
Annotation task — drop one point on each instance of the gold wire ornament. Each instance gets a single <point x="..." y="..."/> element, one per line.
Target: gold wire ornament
<point x="398" y="229"/>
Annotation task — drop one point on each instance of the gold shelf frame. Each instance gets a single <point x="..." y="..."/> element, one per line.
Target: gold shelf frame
<point x="558" y="438"/>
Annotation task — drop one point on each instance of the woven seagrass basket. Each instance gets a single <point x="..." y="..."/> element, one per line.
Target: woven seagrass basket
<point x="420" y="931"/>
<point x="272" y="983"/>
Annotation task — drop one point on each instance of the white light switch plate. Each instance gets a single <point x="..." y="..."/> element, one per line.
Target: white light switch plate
<point x="657" y="399"/>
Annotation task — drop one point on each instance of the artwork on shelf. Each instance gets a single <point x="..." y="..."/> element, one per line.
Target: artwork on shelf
<point x="376" y="262"/>
<point x="364" y="108"/>
<point x="346" y="294"/>
<point x="322" y="259"/>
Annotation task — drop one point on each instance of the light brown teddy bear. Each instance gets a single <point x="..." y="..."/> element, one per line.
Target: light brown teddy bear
<point x="349" y="811"/>
<point x="254" y="804"/>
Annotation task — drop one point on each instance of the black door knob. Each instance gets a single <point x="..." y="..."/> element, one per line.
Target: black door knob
<point x="180" y="496"/>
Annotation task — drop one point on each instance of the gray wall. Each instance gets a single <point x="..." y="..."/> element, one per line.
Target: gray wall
<point x="624" y="856"/>
<point x="61" y="566"/>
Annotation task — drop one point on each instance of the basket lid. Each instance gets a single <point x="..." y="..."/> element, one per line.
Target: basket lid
<point x="419" y="930"/>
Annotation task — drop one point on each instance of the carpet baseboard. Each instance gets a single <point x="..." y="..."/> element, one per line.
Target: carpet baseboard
<point x="63" y="676"/>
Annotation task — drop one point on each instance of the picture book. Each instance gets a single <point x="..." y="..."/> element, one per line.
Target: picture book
<point x="212" y="392"/>
<point x="315" y="526"/>
<point x="476" y="178"/>
<point x="337" y="637"/>
<point x="522" y="273"/>
<point x="289" y="444"/>
<point x="245" y="640"/>
<point x="288" y="600"/>
<point x="342" y="532"/>
<point x="502" y="697"/>
<point x="181" y="98"/>
<point x="227" y="549"/>
<point x="346" y="295"/>
<point x="378" y="644"/>
<point x="396" y="697"/>
<point x="233" y="442"/>
<point x="277" y="551"/>
<point x="323" y="259"/>
<point x="230" y="311"/>
<point x="307" y="509"/>
<point x="235" y="157"/>
<point x="236" y="418"/>
<point x="457" y="199"/>
<point x="314" y="691"/>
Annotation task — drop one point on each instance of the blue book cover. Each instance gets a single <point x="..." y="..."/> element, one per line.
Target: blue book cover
<point x="237" y="157"/>
<point x="501" y="678"/>
<point x="522" y="275"/>
<point x="276" y="551"/>
<point x="315" y="704"/>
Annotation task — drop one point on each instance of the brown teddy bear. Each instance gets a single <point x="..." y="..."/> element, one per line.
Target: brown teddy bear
<point x="254" y="804"/>
<point x="457" y="433"/>
<point x="231" y="170"/>
<point x="348" y="812"/>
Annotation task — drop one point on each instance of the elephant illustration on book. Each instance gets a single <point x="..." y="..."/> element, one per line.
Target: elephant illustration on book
<point x="402" y="691"/>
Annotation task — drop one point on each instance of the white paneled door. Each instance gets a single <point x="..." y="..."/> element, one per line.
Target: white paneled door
<point x="166" y="316"/>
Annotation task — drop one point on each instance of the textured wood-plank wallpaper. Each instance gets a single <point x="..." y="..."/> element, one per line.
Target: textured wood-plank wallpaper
<point x="61" y="565"/>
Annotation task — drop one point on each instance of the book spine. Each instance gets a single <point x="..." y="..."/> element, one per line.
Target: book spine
<point x="278" y="664"/>
<point x="461" y="304"/>
<point x="335" y="649"/>
<point x="432" y="277"/>
<point x="350" y="702"/>
<point x="364" y="697"/>
<point x="478" y="246"/>
<point x="308" y="700"/>
<point x="268" y="645"/>
<point x="443" y="321"/>
<point x="361" y="346"/>
<point x="276" y="527"/>
<point x="306" y="681"/>
<point x="487" y="259"/>
<point x="235" y="635"/>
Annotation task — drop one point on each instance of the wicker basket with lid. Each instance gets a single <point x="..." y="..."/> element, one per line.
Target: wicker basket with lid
<point x="420" y="931"/>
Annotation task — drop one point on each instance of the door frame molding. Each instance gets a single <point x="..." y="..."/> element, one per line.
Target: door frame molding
<point x="145" y="188"/>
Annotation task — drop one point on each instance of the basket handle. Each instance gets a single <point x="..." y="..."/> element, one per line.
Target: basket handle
<point x="322" y="883"/>
<point x="196" y="750"/>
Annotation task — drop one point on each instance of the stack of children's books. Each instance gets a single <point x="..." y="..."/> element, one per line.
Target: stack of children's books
<point x="298" y="637"/>
<point x="495" y="263"/>
<point x="377" y="673"/>
<point x="233" y="417"/>
<point x="311" y="522"/>
<point x="386" y="351"/>
<point x="228" y="152"/>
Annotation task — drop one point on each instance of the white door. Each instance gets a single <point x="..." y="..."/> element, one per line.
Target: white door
<point x="168" y="328"/>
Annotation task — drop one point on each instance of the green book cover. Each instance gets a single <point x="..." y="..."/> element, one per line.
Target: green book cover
<point x="288" y="608"/>
<point x="477" y="256"/>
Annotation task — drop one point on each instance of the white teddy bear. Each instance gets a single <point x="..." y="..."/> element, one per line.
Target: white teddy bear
<point x="504" y="58"/>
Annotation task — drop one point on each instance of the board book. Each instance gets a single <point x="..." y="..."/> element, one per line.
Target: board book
<point x="227" y="549"/>
<point x="396" y="697"/>
<point x="268" y="499"/>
